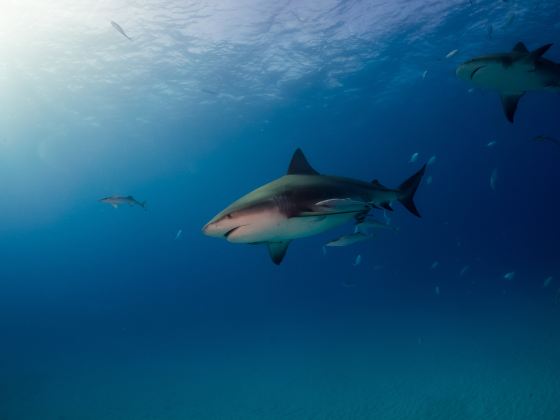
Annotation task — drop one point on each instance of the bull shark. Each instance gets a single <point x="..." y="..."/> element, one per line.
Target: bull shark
<point x="513" y="74"/>
<point x="118" y="200"/>
<point x="304" y="203"/>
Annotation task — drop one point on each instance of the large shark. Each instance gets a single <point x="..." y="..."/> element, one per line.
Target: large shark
<point x="304" y="203"/>
<point x="512" y="74"/>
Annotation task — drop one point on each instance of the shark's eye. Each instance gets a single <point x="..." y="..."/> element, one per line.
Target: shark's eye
<point x="229" y="216"/>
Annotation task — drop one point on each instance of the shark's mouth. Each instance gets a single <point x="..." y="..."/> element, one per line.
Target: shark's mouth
<point x="475" y="70"/>
<point x="229" y="232"/>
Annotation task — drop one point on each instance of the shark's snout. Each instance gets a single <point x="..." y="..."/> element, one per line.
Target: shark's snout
<point x="210" y="229"/>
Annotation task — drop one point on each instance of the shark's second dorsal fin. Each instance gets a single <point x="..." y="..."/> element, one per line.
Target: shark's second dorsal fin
<point x="538" y="53"/>
<point x="300" y="166"/>
<point x="520" y="47"/>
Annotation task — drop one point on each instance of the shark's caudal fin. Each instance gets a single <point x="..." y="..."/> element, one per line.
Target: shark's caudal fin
<point x="277" y="251"/>
<point x="143" y="204"/>
<point x="408" y="188"/>
<point x="509" y="103"/>
<point x="539" y="52"/>
<point x="300" y="166"/>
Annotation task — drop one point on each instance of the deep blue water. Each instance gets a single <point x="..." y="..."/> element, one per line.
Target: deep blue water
<point x="104" y="314"/>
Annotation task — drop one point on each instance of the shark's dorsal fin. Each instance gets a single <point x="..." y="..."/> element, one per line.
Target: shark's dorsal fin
<point x="520" y="47"/>
<point x="376" y="183"/>
<point x="300" y="166"/>
<point x="538" y="53"/>
<point x="509" y="102"/>
<point x="277" y="250"/>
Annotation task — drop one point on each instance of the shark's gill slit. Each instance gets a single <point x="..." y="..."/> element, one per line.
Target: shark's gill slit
<point x="475" y="70"/>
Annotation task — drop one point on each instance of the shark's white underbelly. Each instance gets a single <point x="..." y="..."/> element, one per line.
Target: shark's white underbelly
<point x="510" y="82"/>
<point x="278" y="228"/>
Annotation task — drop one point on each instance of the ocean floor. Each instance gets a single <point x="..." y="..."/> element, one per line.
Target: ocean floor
<point x="493" y="366"/>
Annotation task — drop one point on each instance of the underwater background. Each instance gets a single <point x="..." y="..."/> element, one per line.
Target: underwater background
<point x="130" y="314"/>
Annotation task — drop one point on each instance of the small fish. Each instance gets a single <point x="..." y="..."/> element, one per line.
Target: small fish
<point x="435" y="265"/>
<point x="432" y="160"/>
<point x="451" y="53"/>
<point x="464" y="270"/>
<point x="489" y="30"/>
<point x="358" y="260"/>
<point x="470" y="90"/>
<point x="546" y="282"/>
<point x="178" y="234"/>
<point x="429" y="179"/>
<point x="543" y="138"/>
<point x="413" y="158"/>
<point x="510" y="19"/>
<point x="120" y="30"/>
<point x="424" y="74"/>
<point x="494" y="179"/>
<point x="386" y="217"/>
<point x="510" y="275"/>
<point x="436" y="289"/>
<point x="346" y="284"/>
<point x="209" y="91"/>
<point x="491" y="143"/>
<point x="371" y="223"/>
<point x="351" y="239"/>
<point x="324" y="250"/>
<point x="117" y="200"/>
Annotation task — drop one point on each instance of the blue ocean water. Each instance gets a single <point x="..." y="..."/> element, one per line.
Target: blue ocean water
<point x="129" y="314"/>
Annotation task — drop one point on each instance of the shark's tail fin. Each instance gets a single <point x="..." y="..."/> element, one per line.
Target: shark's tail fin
<point x="408" y="189"/>
<point x="143" y="204"/>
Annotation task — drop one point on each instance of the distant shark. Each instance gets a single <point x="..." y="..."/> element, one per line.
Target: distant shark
<point x="119" y="29"/>
<point x="512" y="74"/>
<point x="117" y="200"/>
<point x="304" y="203"/>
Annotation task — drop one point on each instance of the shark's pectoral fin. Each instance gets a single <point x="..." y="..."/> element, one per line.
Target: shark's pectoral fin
<point x="509" y="103"/>
<point x="115" y="206"/>
<point x="277" y="251"/>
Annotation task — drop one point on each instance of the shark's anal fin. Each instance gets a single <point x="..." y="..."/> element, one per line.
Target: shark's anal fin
<point x="300" y="166"/>
<point x="509" y="103"/>
<point x="277" y="251"/>
<point x="387" y="206"/>
<point x="520" y="47"/>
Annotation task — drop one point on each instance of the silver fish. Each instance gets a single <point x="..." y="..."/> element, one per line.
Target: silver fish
<point x="494" y="179"/>
<point x="350" y="239"/>
<point x="118" y="200"/>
